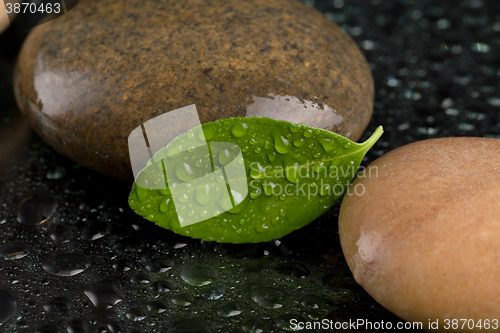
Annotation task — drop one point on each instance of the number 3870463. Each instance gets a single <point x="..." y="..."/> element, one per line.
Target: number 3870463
<point x="30" y="7"/>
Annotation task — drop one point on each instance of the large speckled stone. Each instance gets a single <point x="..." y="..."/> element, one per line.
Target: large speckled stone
<point x="422" y="233"/>
<point x="88" y="78"/>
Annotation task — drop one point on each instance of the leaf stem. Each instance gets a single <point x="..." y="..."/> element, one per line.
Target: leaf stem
<point x="373" y="138"/>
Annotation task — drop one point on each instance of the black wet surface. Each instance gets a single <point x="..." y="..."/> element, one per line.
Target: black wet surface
<point x="436" y="71"/>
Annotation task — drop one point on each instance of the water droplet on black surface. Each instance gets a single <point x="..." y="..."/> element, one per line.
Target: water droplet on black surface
<point x="95" y="230"/>
<point x="141" y="278"/>
<point x="231" y="309"/>
<point x="199" y="274"/>
<point x="77" y="326"/>
<point x="161" y="286"/>
<point x="284" y="322"/>
<point x="136" y="314"/>
<point x="66" y="264"/>
<point x="130" y="245"/>
<point x="8" y="305"/>
<point x="59" y="305"/>
<point x="159" y="265"/>
<point x="189" y="326"/>
<point x="293" y="269"/>
<point x="14" y="250"/>
<point x="157" y="307"/>
<point x="115" y="327"/>
<point x="254" y="325"/>
<point x="61" y="233"/>
<point x="269" y="297"/>
<point x="105" y="294"/>
<point x="49" y="329"/>
<point x="183" y="299"/>
<point x="312" y="302"/>
<point x="36" y="209"/>
<point x="214" y="293"/>
<point x="122" y="265"/>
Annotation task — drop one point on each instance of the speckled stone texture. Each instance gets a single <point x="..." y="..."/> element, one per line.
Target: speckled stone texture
<point x="88" y="78"/>
<point x="422" y="239"/>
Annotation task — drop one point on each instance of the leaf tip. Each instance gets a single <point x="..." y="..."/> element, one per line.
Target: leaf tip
<point x="373" y="138"/>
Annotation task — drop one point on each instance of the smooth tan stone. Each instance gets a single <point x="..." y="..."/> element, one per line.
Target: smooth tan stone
<point x="87" y="79"/>
<point x="424" y="238"/>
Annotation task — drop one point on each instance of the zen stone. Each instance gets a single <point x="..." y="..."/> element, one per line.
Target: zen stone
<point x="422" y="235"/>
<point x="87" y="79"/>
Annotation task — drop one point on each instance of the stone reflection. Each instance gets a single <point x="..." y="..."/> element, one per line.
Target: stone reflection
<point x="292" y="109"/>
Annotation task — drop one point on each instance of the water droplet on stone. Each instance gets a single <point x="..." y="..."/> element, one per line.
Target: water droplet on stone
<point x="66" y="264"/>
<point x="269" y="297"/>
<point x="159" y="265"/>
<point x="8" y="305"/>
<point x="36" y="209"/>
<point x="14" y="250"/>
<point x="105" y="294"/>
<point x="231" y="309"/>
<point x="199" y="274"/>
<point x="239" y="130"/>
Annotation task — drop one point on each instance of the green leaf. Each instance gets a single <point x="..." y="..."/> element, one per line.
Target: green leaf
<point x="257" y="179"/>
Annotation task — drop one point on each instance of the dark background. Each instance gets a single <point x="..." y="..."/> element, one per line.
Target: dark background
<point x="436" y="71"/>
